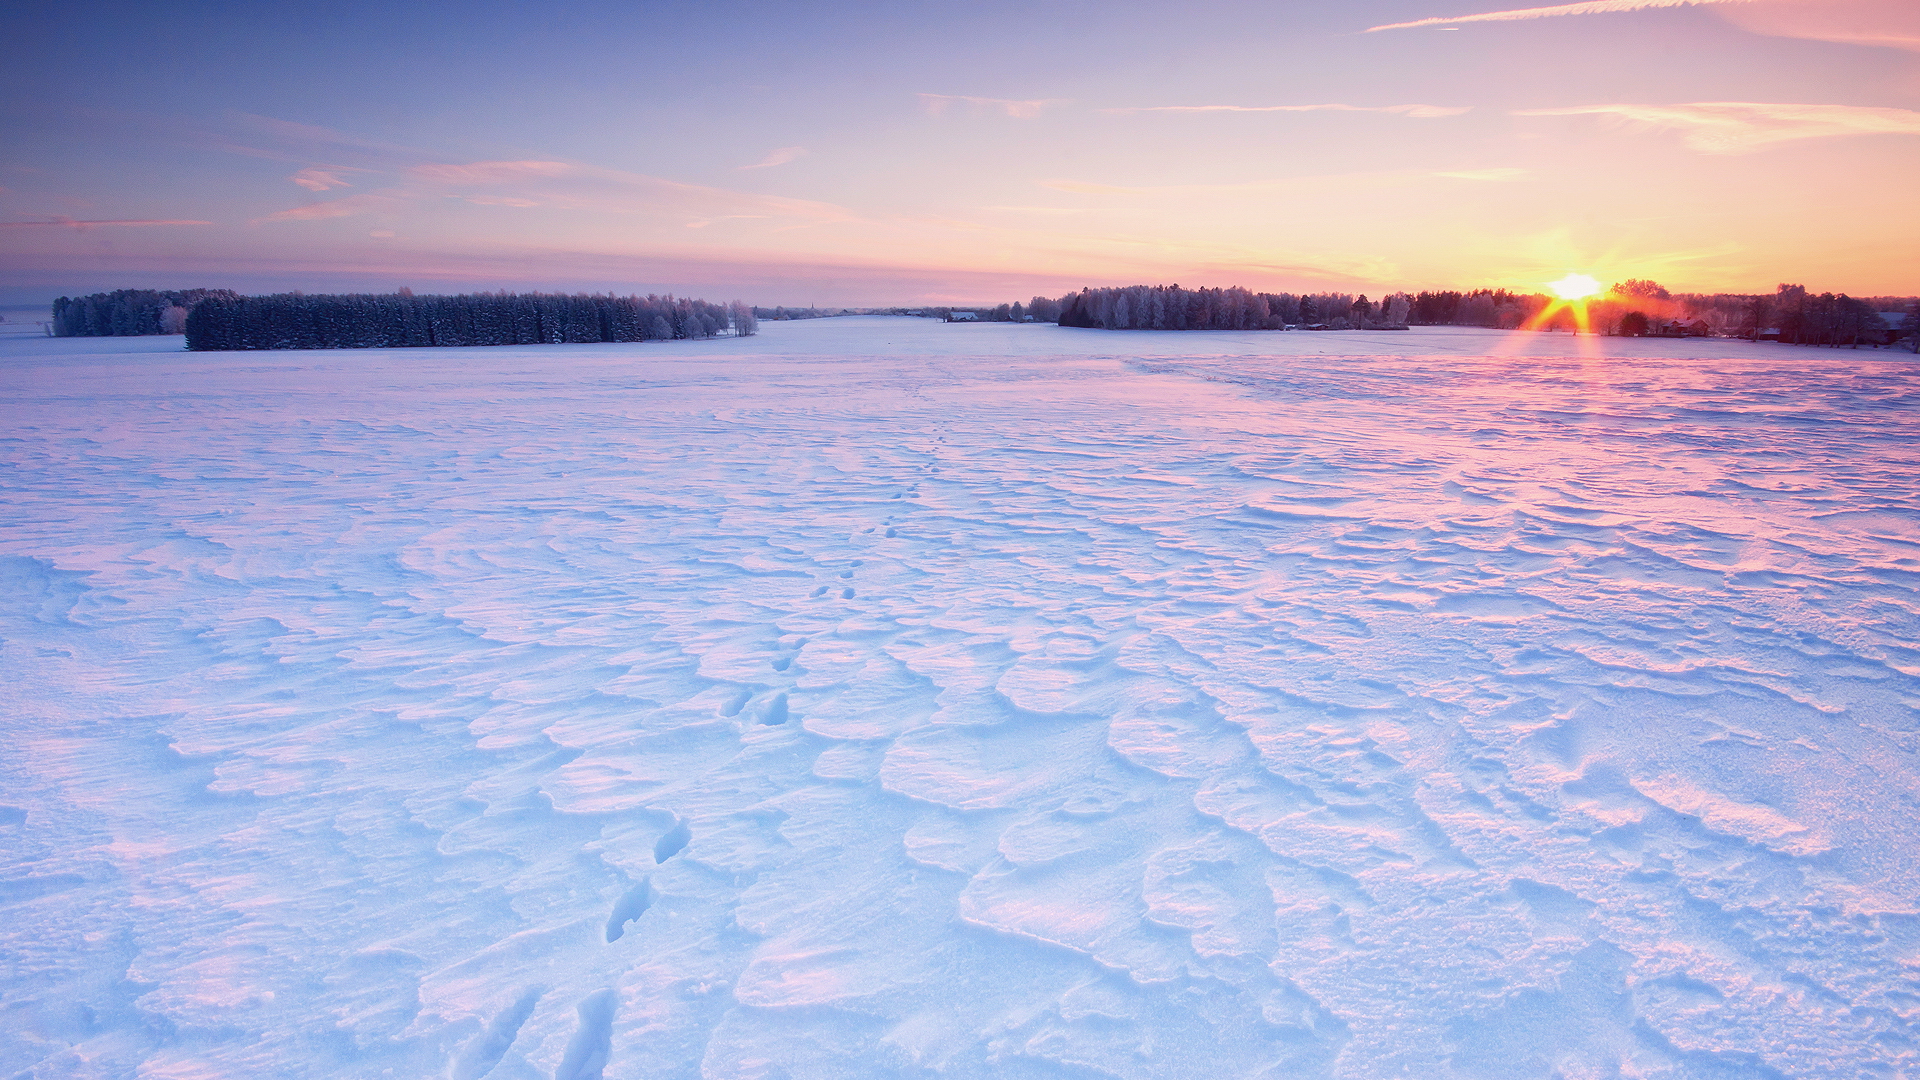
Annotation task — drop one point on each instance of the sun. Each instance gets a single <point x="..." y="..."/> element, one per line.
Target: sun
<point x="1575" y="287"/>
<point x="1569" y="305"/>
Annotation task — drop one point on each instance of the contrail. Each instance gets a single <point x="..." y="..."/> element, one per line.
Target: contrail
<point x="1591" y="7"/>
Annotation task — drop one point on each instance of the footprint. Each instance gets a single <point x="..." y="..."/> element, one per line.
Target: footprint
<point x="674" y="842"/>
<point x="488" y="1047"/>
<point x="776" y="713"/>
<point x="846" y="594"/>
<point x="592" y="1045"/>
<point x="739" y="700"/>
<point x="782" y="663"/>
<point x="821" y="591"/>
<point x="846" y="573"/>
<point x="629" y="907"/>
<point x="891" y="534"/>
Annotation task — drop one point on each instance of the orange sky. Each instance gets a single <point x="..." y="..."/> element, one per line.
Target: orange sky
<point x="873" y="154"/>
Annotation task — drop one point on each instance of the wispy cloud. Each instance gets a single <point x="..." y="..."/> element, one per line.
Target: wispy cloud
<point x="937" y="104"/>
<point x="336" y="208"/>
<point x="567" y="186"/>
<point x="1892" y="24"/>
<point x="1733" y="127"/>
<point x="492" y="172"/>
<point x="1422" y="111"/>
<point x="1591" y="7"/>
<point x="779" y="157"/>
<point x="1347" y="183"/>
<point x="286" y="140"/>
<point x="323" y="177"/>
<point x="70" y="223"/>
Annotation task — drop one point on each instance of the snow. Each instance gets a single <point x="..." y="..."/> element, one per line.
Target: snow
<point x="884" y="697"/>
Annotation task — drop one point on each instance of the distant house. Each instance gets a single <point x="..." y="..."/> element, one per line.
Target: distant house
<point x="963" y="316"/>
<point x="1676" y="328"/>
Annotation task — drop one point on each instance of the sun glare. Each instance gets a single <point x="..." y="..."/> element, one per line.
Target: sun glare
<point x="1568" y="309"/>
<point x="1575" y="287"/>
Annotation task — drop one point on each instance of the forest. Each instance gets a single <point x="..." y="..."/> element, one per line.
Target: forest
<point x="1170" y="307"/>
<point x="403" y="320"/>
<point x="128" y="312"/>
<point x="1632" y="308"/>
<point x="216" y="319"/>
<point x="1792" y="314"/>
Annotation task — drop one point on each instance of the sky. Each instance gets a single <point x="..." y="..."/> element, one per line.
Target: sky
<point x="925" y="152"/>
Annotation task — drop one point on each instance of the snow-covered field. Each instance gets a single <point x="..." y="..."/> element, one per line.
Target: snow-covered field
<point x="882" y="698"/>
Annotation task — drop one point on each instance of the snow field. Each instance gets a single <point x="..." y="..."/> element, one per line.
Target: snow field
<point x="884" y="698"/>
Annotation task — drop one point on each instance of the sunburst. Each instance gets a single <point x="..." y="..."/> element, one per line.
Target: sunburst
<point x="1571" y="293"/>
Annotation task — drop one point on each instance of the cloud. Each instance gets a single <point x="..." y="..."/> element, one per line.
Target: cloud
<point x="1591" y="7"/>
<point x="779" y="157"/>
<point x="764" y="277"/>
<point x="938" y="103"/>
<point x="323" y="178"/>
<point x="336" y="208"/>
<point x="285" y="140"/>
<point x="583" y="187"/>
<point x="1421" y="111"/>
<point x="1329" y="183"/>
<point x="568" y="186"/>
<point x="69" y="223"/>
<point x="1734" y="127"/>
<point x="419" y="178"/>
<point x="491" y="172"/>
<point x="1893" y="24"/>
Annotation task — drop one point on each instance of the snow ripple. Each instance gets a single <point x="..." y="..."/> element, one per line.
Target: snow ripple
<point x="520" y="713"/>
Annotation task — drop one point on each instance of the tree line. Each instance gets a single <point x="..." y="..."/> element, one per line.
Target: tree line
<point x="403" y="320"/>
<point x="1630" y="308"/>
<point x="787" y="314"/>
<point x="1796" y="316"/>
<point x="1792" y="315"/>
<point x="128" y="312"/>
<point x="1492" y="308"/>
<point x="1170" y="307"/>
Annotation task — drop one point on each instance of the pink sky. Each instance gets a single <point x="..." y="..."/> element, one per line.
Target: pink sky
<point x="867" y="155"/>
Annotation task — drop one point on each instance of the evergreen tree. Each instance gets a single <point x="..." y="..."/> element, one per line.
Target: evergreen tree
<point x="127" y="312"/>
<point x="402" y="320"/>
